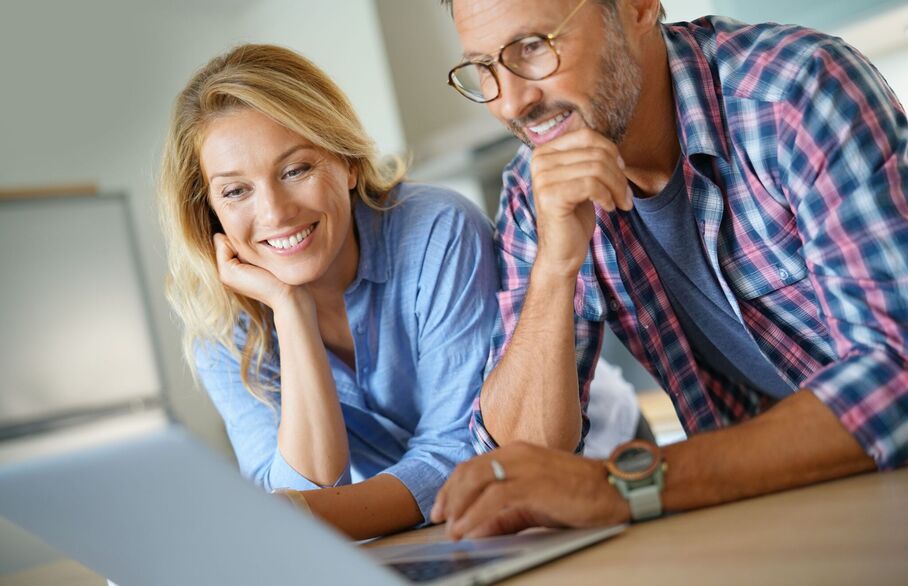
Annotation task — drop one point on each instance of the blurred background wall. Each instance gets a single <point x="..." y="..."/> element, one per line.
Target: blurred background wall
<point x="86" y="88"/>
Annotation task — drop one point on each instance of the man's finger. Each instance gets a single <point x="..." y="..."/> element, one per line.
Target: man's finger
<point x="547" y="160"/>
<point x="438" y="509"/>
<point x="507" y="521"/>
<point x="471" y="479"/>
<point x="495" y="511"/>
<point x="579" y="139"/>
<point x="570" y="193"/>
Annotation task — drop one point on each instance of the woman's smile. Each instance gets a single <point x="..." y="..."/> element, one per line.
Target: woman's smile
<point x="293" y="243"/>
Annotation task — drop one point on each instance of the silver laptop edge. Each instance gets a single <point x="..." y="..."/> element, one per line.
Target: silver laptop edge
<point x="163" y="509"/>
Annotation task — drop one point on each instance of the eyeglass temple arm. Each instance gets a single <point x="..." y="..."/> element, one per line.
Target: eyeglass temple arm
<point x="566" y="20"/>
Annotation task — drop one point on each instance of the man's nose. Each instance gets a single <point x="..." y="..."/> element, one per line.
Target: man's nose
<point x="517" y="96"/>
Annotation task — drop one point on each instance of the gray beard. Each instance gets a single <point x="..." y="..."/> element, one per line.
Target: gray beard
<point x="617" y="91"/>
<point x="615" y="99"/>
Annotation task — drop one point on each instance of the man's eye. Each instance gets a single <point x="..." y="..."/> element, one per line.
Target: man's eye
<point x="297" y="171"/>
<point x="532" y="47"/>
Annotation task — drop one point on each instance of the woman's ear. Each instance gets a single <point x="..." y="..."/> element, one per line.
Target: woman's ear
<point x="352" y="176"/>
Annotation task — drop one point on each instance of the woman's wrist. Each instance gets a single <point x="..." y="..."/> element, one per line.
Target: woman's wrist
<point x="294" y="497"/>
<point x="294" y="305"/>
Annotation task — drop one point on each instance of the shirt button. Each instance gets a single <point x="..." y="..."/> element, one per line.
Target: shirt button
<point x="783" y="274"/>
<point x="613" y="305"/>
<point x="359" y="329"/>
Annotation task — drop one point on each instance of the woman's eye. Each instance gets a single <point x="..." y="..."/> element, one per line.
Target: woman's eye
<point x="234" y="192"/>
<point x="297" y="171"/>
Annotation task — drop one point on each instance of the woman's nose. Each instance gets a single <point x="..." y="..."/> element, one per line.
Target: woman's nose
<point x="274" y="207"/>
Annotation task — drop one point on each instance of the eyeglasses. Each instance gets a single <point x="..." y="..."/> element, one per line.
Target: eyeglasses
<point x="532" y="57"/>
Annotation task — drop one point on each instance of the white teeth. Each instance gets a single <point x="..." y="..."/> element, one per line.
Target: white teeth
<point x="546" y="126"/>
<point x="284" y="243"/>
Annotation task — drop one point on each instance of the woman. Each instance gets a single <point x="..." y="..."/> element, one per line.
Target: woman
<point x="338" y="318"/>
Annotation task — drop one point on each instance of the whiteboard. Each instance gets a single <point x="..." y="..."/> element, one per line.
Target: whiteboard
<point x="75" y="335"/>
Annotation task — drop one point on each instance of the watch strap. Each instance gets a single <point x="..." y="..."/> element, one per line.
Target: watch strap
<point x="645" y="501"/>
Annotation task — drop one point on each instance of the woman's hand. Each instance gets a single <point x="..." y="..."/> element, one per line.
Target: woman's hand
<point x="312" y="437"/>
<point x="248" y="279"/>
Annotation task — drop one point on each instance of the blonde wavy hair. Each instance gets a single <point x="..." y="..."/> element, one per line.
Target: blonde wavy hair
<point x="295" y="93"/>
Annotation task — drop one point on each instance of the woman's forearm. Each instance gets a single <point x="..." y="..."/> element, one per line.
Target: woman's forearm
<point x="312" y="437"/>
<point x="377" y="506"/>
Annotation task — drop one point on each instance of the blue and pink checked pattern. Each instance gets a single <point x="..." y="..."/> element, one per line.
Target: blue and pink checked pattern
<point x="795" y="156"/>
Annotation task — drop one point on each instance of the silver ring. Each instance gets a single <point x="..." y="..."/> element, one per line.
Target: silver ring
<point x="498" y="470"/>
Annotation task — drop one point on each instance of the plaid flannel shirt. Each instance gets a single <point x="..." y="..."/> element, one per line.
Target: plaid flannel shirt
<point x="795" y="157"/>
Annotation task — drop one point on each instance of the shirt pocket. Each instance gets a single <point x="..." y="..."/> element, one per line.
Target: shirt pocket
<point x="765" y="267"/>
<point x="772" y="278"/>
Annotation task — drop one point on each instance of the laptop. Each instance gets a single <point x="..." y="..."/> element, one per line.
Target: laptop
<point x="163" y="509"/>
<point x="157" y="507"/>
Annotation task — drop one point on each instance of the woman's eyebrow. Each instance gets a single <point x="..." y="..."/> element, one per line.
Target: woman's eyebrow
<point x="291" y="150"/>
<point x="281" y="157"/>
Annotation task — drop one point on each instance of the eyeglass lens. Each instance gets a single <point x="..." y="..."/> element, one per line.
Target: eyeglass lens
<point x="531" y="57"/>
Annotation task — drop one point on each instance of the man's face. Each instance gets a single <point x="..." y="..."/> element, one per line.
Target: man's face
<point x="597" y="84"/>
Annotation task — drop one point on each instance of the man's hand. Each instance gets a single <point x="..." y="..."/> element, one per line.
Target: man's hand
<point x="570" y="174"/>
<point x="541" y="487"/>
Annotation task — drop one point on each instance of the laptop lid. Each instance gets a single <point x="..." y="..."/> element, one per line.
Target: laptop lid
<point x="163" y="509"/>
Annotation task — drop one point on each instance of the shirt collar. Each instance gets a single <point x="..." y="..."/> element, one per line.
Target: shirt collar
<point x="374" y="261"/>
<point x="699" y="114"/>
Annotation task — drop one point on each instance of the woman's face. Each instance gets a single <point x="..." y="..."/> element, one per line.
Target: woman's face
<point x="284" y="203"/>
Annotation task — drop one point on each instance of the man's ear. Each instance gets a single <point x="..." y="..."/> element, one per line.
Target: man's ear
<point x="640" y="14"/>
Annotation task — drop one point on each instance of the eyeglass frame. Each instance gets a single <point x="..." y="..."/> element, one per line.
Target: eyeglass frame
<point x="549" y="39"/>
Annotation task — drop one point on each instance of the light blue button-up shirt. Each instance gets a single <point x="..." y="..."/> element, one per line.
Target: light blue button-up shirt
<point x="420" y="310"/>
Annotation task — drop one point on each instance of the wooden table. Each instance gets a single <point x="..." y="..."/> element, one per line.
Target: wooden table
<point x="851" y="531"/>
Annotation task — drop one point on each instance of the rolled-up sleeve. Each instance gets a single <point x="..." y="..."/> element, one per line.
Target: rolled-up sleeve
<point x="845" y="151"/>
<point x="251" y="424"/>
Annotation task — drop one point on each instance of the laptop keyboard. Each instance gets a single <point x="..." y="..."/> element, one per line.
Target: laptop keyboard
<point x="432" y="569"/>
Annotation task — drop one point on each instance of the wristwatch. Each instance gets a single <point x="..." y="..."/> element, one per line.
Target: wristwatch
<point x="636" y="469"/>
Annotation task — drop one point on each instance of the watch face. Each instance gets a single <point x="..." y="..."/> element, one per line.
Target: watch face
<point x="634" y="459"/>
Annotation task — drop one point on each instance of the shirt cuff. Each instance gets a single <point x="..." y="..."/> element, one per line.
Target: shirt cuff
<point x="422" y="480"/>
<point x="283" y="475"/>
<point x="479" y="436"/>
<point x="868" y="392"/>
<point x="483" y="442"/>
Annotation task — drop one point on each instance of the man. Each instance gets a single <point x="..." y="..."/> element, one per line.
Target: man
<point x="731" y="201"/>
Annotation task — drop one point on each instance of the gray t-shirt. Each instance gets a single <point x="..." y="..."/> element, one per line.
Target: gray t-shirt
<point x="666" y="227"/>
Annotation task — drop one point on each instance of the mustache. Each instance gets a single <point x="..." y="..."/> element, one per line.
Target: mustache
<point x="538" y="112"/>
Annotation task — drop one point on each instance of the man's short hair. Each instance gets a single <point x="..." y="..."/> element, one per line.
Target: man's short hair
<point x="608" y="3"/>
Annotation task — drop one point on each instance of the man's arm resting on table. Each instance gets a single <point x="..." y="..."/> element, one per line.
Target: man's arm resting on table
<point x="532" y="394"/>
<point x="796" y="443"/>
